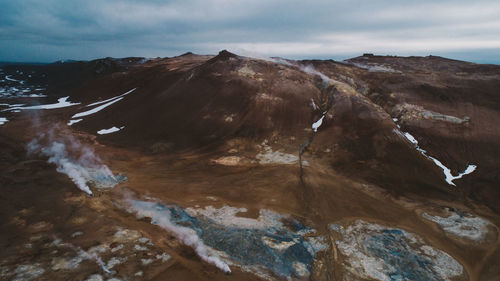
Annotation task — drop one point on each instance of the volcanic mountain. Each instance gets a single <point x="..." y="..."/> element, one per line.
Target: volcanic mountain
<point x="226" y="167"/>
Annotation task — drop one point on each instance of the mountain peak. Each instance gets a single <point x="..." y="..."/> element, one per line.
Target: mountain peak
<point x="224" y="54"/>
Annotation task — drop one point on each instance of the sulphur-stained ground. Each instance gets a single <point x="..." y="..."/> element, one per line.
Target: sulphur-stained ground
<point x="234" y="168"/>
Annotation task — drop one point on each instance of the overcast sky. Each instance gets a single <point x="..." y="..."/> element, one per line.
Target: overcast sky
<point x="49" y="30"/>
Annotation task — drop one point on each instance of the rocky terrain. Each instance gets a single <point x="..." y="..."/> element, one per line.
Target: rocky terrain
<point x="227" y="167"/>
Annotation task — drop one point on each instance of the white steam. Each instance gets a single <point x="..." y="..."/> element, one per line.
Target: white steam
<point x="95" y="257"/>
<point x="90" y="255"/>
<point x="305" y="68"/>
<point x="58" y="155"/>
<point x="311" y="70"/>
<point x="186" y="235"/>
<point x="75" y="160"/>
<point x="326" y="80"/>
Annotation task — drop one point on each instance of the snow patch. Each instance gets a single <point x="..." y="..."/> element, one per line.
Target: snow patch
<point x="110" y="130"/>
<point x="11" y="105"/>
<point x="8" y="77"/>
<point x="95" y="110"/>
<point x="62" y="102"/>
<point x="71" y="122"/>
<point x="318" y="123"/>
<point x="111" y="99"/>
<point x="313" y="104"/>
<point x="411" y="138"/>
<point x="447" y="172"/>
<point x="3" y="120"/>
<point x="105" y="103"/>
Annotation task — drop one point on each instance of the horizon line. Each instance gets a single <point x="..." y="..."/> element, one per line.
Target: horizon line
<point x="320" y="57"/>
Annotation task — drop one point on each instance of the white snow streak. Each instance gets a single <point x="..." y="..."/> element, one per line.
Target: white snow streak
<point x="12" y="79"/>
<point x="318" y="123"/>
<point x="107" y="103"/>
<point x="411" y="138"/>
<point x="447" y="172"/>
<point x="62" y="102"/>
<point x="110" y="130"/>
<point x="71" y="122"/>
<point x="314" y="106"/>
<point x="110" y="99"/>
<point x="94" y="110"/>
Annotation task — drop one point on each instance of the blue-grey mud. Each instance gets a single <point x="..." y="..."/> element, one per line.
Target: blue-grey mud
<point x="257" y="244"/>
<point x="392" y="254"/>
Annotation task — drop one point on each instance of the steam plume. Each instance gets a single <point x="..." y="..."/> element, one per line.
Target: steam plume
<point x="186" y="235"/>
<point x="83" y="254"/>
<point x="74" y="159"/>
<point x="311" y="70"/>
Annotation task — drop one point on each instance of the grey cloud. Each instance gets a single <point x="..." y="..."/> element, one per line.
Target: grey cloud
<point x="55" y="29"/>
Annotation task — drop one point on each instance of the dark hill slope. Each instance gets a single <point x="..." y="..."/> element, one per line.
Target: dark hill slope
<point x="194" y="102"/>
